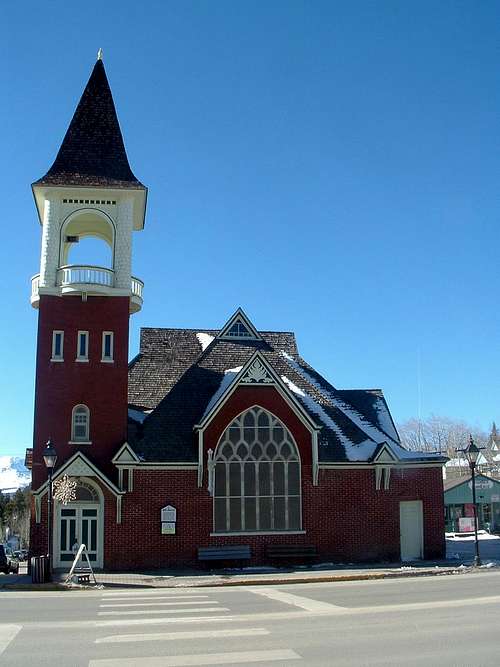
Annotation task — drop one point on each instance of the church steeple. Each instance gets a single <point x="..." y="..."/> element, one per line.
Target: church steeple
<point x="92" y="153"/>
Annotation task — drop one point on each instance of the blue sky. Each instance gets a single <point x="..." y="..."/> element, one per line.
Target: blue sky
<point x="331" y="167"/>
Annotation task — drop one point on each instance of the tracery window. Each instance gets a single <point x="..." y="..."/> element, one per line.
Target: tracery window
<point x="257" y="476"/>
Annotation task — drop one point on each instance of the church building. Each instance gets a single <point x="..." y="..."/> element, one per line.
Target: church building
<point x="219" y="444"/>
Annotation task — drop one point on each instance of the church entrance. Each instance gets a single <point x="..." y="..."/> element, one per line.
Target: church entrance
<point x="79" y="522"/>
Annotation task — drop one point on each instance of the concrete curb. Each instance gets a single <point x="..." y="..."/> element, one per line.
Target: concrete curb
<point x="275" y="581"/>
<point x="253" y="581"/>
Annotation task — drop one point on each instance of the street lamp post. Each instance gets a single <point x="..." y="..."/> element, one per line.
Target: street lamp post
<point x="50" y="458"/>
<point x="471" y="453"/>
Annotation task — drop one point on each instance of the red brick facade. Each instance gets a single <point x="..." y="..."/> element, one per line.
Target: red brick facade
<point x="344" y="516"/>
<point x="102" y="387"/>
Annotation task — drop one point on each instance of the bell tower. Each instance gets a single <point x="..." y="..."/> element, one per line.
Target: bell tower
<point x="89" y="201"/>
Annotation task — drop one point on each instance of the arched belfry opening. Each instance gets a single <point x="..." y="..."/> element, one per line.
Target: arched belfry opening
<point x="88" y="239"/>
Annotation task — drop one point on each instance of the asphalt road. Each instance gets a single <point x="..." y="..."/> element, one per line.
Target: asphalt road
<point x="445" y="621"/>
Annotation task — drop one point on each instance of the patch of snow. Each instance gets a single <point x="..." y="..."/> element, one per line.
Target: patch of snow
<point x="384" y="419"/>
<point x="13" y="474"/>
<point x="356" y="417"/>
<point x="204" y="340"/>
<point x="138" y="415"/>
<point x="229" y="377"/>
<point x="353" y="452"/>
<point x="481" y="535"/>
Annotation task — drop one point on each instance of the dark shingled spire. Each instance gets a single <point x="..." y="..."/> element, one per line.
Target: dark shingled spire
<point x="92" y="153"/>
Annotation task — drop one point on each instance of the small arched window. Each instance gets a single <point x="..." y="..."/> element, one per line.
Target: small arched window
<point x="80" y="424"/>
<point x="257" y="476"/>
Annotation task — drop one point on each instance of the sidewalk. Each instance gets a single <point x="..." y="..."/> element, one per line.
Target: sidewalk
<point x="459" y="561"/>
<point x="274" y="576"/>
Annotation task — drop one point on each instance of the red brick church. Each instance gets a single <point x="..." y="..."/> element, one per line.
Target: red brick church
<point x="207" y="439"/>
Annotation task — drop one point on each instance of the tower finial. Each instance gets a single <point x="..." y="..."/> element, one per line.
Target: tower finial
<point x="99" y="54"/>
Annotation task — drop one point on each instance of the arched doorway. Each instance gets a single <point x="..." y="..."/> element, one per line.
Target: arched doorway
<point x="80" y="521"/>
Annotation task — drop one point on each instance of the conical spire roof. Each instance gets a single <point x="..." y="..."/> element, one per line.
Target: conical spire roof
<point x="92" y="153"/>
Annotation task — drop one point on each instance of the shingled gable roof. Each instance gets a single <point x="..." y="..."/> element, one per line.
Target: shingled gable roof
<point x="92" y="153"/>
<point x="178" y="371"/>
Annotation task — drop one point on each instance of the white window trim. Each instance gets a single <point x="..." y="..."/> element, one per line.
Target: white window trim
<point x="61" y="357"/>
<point x="108" y="360"/>
<point x="85" y="357"/>
<point x="74" y="440"/>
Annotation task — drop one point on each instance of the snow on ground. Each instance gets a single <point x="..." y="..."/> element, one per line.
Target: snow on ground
<point x="204" y="340"/>
<point x="353" y="452"/>
<point x="481" y="535"/>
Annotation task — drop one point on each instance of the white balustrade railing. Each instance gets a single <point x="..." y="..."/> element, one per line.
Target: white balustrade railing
<point x="87" y="275"/>
<point x="35" y="284"/>
<point x="137" y="287"/>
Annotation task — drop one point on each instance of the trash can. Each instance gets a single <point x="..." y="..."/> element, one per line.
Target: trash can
<point x="39" y="569"/>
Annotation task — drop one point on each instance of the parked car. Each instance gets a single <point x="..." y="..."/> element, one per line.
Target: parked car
<point x="8" y="563"/>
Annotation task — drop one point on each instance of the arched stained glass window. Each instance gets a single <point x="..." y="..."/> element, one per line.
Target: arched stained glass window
<point x="257" y="476"/>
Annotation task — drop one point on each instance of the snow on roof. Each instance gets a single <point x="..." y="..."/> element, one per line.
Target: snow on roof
<point x="384" y="418"/>
<point x="138" y="415"/>
<point x="356" y="417"/>
<point x="228" y="378"/>
<point x="204" y="340"/>
<point x="353" y="452"/>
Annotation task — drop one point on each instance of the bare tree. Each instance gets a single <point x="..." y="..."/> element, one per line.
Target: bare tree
<point x="439" y="434"/>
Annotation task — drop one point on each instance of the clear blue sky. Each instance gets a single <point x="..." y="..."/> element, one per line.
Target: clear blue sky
<point x="332" y="167"/>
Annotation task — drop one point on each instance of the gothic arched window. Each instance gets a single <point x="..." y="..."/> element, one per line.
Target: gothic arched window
<point x="257" y="476"/>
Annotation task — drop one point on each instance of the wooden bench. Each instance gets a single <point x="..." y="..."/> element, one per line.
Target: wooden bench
<point x="291" y="551"/>
<point x="232" y="552"/>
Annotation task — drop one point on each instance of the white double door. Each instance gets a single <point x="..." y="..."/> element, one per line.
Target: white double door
<point x="77" y="524"/>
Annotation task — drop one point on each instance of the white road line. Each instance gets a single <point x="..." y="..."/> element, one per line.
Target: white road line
<point x="158" y="604"/>
<point x="7" y="634"/>
<point x="200" y="659"/>
<point x="174" y="636"/>
<point x="296" y="600"/>
<point x="149" y="592"/>
<point x="155" y="597"/>
<point x="160" y="611"/>
<point x="161" y="621"/>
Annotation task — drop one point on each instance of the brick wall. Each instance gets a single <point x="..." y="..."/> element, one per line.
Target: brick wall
<point x="100" y="386"/>
<point x="345" y="517"/>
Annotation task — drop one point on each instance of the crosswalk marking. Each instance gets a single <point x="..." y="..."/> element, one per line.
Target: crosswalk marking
<point x="154" y="597"/>
<point x="158" y="604"/>
<point x="148" y="592"/>
<point x="174" y="636"/>
<point x="162" y="620"/>
<point x="160" y="611"/>
<point x="231" y="658"/>
<point x="296" y="600"/>
<point x="7" y="634"/>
